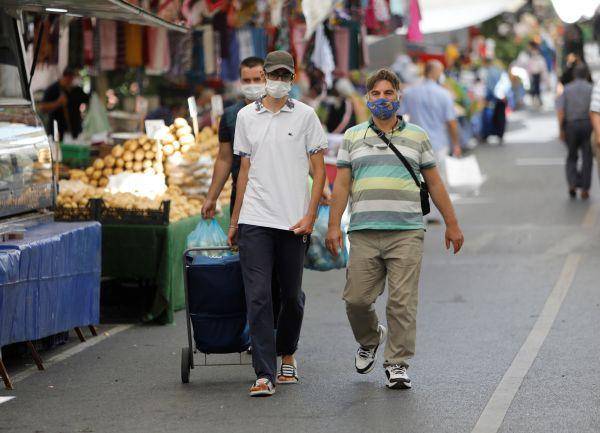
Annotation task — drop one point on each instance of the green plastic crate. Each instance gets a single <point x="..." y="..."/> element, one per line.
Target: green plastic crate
<point x="75" y="155"/>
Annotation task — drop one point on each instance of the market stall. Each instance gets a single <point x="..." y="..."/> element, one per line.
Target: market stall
<point x="49" y="270"/>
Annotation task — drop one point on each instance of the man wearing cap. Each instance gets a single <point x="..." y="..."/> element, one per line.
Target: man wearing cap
<point x="278" y="139"/>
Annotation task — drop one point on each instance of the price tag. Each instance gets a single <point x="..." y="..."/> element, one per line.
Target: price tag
<point x="194" y="115"/>
<point x="153" y="126"/>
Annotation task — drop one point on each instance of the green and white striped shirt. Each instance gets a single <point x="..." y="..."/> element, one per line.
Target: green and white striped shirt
<point x="384" y="195"/>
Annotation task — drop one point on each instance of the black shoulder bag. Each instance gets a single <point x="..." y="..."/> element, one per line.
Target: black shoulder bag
<point x="425" y="208"/>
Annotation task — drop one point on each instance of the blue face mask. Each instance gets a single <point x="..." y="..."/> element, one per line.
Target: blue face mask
<point x="383" y="108"/>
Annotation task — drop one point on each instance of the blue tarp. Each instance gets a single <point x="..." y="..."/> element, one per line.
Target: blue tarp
<point x="50" y="281"/>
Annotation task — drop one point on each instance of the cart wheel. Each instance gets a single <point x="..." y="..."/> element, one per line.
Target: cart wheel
<point x="185" y="364"/>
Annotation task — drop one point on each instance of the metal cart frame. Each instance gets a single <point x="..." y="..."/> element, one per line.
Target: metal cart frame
<point x="187" y="353"/>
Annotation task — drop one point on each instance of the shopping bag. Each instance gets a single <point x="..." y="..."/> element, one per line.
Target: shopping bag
<point x="463" y="173"/>
<point x="318" y="257"/>
<point x="208" y="233"/>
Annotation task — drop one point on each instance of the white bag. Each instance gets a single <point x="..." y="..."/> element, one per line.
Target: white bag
<point x="463" y="173"/>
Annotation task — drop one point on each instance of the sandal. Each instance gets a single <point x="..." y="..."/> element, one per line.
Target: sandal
<point x="262" y="388"/>
<point x="288" y="373"/>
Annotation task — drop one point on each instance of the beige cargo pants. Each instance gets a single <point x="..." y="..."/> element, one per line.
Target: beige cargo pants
<point x="374" y="256"/>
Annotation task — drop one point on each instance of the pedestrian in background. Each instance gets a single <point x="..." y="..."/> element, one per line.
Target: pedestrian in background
<point x="595" y="118"/>
<point x="537" y="69"/>
<point x="572" y="108"/>
<point x="386" y="226"/>
<point x="278" y="139"/>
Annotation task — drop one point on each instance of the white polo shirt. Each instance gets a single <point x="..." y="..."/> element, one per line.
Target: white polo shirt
<point x="279" y="146"/>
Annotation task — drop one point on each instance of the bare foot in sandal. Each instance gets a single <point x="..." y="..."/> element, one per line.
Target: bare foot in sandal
<point x="288" y="372"/>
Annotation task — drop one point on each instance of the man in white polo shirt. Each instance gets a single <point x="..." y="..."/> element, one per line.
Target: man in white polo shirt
<point x="278" y="139"/>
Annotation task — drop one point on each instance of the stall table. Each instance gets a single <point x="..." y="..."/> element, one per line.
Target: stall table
<point x="49" y="281"/>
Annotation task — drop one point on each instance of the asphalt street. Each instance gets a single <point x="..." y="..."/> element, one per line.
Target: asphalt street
<point x="523" y="297"/>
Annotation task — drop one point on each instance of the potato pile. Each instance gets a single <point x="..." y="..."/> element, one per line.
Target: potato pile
<point x="75" y="193"/>
<point x="141" y="155"/>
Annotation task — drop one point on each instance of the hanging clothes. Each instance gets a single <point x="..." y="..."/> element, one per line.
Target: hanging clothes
<point x="88" y="42"/>
<point x="180" y="45"/>
<point x="259" y="40"/>
<point x="382" y="11"/>
<point x="196" y="73"/>
<point x="342" y="50"/>
<point x="108" y="44"/>
<point x="315" y="12"/>
<point x="322" y="56"/>
<point x="159" y="57"/>
<point x="397" y="8"/>
<point x="414" y="30"/>
<point x="134" y="37"/>
<point x="364" y="48"/>
<point x="63" y="45"/>
<point x="245" y="42"/>
<point x="76" y="44"/>
<point x="223" y="30"/>
<point x="230" y="66"/>
<point x="208" y="42"/>
<point x="121" y="46"/>
<point x="297" y="41"/>
<point x="276" y="8"/>
<point x="355" y="49"/>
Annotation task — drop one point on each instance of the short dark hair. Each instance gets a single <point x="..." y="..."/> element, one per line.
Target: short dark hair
<point x="581" y="71"/>
<point x="251" y="62"/>
<point x="381" y="75"/>
<point x="70" y="72"/>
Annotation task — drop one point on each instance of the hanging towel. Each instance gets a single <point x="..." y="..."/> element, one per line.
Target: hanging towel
<point x="76" y="44"/>
<point x="342" y="50"/>
<point x="108" y="45"/>
<point x="259" y="39"/>
<point x="159" y="57"/>
<point x="414" y="30"/>
<point x="315" y="12"/>
<point x="208" y="41"/>
<point x="322" y="56"/>
<point x="397" y="8"/>
<point x="245" y="42"/>
<point x="63" y="45"/>
<point x="298" y="42"/>
<point x="196" y="73"/>
<point x="134" y="45"/>
<point x="230" y="65"/>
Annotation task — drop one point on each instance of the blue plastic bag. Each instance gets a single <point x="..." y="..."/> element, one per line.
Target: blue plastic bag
<point x="208" y="233"/>
<point x="318" y="257"/>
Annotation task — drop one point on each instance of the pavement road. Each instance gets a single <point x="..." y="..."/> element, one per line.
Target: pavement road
<point x="507" y="334"/>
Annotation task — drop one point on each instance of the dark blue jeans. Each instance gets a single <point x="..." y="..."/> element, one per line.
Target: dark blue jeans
<point x="263" y="250"/>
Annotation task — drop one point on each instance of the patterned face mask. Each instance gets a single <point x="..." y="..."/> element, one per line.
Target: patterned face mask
<point x="383" y="108"/>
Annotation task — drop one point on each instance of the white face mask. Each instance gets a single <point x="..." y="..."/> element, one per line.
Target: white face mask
<point x="278" y="89"/>
<point x="253" y="92"/>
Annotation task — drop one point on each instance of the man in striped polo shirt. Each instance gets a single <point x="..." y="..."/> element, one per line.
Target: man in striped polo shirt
<point x="386" y="227"/>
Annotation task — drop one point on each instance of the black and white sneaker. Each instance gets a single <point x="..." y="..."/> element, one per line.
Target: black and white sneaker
<point x="364" y="361"/>
<point x="397" y="378"/>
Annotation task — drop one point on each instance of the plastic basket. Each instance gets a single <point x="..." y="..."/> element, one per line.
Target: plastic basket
<point x="85" y="213"/>
<point x="75" y="156"/>
<point x="110" y="215"/>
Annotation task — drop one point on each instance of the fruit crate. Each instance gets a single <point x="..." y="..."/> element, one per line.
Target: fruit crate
<point x="75" y="155"/>
<point x="88" y="212"/>
<point x="111" y="215"/>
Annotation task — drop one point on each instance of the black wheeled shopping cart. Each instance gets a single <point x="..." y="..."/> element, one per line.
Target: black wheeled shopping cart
<point x="215" y="308"/>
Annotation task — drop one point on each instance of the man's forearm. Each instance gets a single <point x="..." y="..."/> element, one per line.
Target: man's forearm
<point x="220" y="176"/>
<point x="241" y="190"/>
<point x="339" y="198"/>
<point x="318" y="175"/>
<point x="595" y="118"/>
<point x="441" y="200"/>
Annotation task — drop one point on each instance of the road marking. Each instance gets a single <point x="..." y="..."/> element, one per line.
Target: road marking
<point x="5" y="399"/>
<point x="591" y="216"/>
<point x="80" y="347"/>
<point x="500" y="401"/>
<point x="539" y="162"/>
